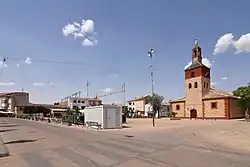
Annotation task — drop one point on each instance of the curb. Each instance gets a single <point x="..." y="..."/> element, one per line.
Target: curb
<point x="4" y="152"/>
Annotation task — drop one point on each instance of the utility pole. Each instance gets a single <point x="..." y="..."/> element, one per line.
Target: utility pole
<point x="87" y="85"/>
<point x="150" y="54"/>
<point x="124" y="93"/>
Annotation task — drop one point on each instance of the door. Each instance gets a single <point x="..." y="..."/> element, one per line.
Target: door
<point x="111" y="118"/>
<point x="193" y="113"/>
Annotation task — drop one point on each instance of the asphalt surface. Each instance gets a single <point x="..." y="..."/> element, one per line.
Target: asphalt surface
<point x="33" y="144"/>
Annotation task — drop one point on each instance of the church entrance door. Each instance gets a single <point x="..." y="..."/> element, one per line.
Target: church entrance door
<point x="193" y="113"/>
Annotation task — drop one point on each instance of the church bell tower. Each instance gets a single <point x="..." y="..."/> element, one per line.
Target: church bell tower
<point x="197" y="82"/>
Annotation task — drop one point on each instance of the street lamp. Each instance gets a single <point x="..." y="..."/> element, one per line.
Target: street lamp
<point x="150" y="55"/>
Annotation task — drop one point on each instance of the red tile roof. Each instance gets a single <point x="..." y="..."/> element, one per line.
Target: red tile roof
<point x="218" y="94"/>
<point x="212" y="94"/>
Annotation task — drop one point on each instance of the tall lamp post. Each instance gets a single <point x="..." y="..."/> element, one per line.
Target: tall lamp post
<point x="150" y="55"/>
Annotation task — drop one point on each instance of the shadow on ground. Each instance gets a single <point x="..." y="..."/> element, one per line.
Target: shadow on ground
<point x="7" y="130"/>
<point x="242" y="120"/>
<point x="22" y="141"/>
<point x="126" y="126"/>
<point x="6" y="126"/>
<point x="4" y="123"/>
<point x="130" y="136"/>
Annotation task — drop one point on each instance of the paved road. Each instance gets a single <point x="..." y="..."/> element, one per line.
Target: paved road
<point x="44" y="145"/>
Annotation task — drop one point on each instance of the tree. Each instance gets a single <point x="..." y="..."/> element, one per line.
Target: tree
<point x="243" y="93"/>
<point x="155" y="101"/>
<point x="125" y="110"/>
<point x="76" y="109"/>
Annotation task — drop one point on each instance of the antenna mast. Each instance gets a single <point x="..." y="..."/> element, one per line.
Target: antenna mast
<point x="124" y="93"/>
<point x="87" y="85"/>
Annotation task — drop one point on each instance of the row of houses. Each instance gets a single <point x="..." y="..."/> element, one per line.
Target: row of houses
<point x="139" y="107"/>
<point x="17" y="102"/>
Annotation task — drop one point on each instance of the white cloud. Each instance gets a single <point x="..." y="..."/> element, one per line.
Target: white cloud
<point x="189" y="64"/>
<point x="84" y="30"/>
<point x="69" y="29"/>
<point x="223" y="43"/>
<point x="3" y="64"/>
<point x="7" y="83"/>
<point x="242" y="44"/>
<point x="28" y="60"/>
<point x="213" y="83"/>
<point x="224" y="78"/>
<point x="227" y="41"/>
<point x="52" y="84"/>
<point x="107" y="90"/>
<point x="205" y="61"/>
<point x="39" y="84"/>
<point x="87" y="42"/>
<point x="114" y="75"/>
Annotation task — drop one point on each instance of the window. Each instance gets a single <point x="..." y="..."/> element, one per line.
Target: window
<point x="214" y="105"/>
<point x="204" y="84"/>
<point x="79" y="101"/>
<point x="192" y="74"/>
<point x="129" y="104"/>
<point x="207" y="85"/>
<point x="83" y="101"/>
<point x="82" y="107"/>
<point x="177" y="107"/>
<point x="195" y="85"/>
<point x="74" y="101"/>
<point x="189" y="85"/>
<point x="195" y="53"/>
<point x="133" y="103"/>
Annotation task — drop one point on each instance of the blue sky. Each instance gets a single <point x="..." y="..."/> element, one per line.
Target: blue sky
<point x="125" y="30"/>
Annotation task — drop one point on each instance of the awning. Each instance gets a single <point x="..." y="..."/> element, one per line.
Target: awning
<point x="6" y="112"/>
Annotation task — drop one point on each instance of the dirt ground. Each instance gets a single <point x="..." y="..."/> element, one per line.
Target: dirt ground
<point x="232" y="134"/>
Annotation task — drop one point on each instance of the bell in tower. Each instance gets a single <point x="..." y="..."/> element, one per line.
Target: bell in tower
<point x="196" y="53"/>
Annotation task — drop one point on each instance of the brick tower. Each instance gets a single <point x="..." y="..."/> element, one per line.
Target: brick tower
<point x="197" y="84"/>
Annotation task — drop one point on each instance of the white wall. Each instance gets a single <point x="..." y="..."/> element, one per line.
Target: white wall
<point x="148" y="108"/>
<point x="93" y="114"/>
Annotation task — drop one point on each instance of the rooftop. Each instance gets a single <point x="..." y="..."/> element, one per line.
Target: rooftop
<point x="195" y="64"/>
<point x="12" y="93"/>
<point x="45" y="105"/>
<point x="196" y="44"/>
<point x="138" y="98"/>
<point x="213" y="93"/>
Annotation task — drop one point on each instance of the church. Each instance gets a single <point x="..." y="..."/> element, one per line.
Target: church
<point x="201" y="101"/>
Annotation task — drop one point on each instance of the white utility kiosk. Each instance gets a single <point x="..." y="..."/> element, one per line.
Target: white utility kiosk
<point x="109" y="116"/>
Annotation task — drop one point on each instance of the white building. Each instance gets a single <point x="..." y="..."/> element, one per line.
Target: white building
<point x="108" y="116"/>
<point x="81" y="103"/>
<point x="12" y="101"/>
<point x="139" y="106"/>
